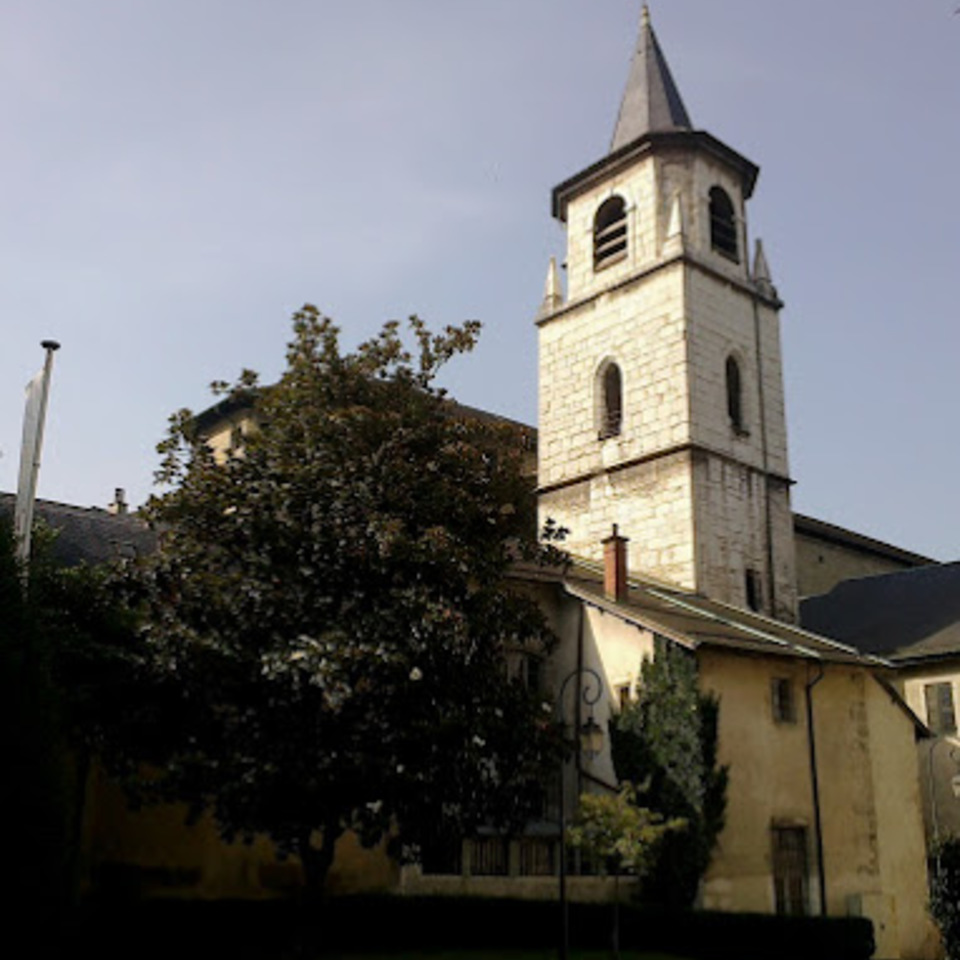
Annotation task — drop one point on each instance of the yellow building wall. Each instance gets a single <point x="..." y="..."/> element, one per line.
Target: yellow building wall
<point x="874" y="850"/>
<point x="152" y="852"/>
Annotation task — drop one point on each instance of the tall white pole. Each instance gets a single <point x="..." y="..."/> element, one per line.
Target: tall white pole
<point x="34" y="417"/>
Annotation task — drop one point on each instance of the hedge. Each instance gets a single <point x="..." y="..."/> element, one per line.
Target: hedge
<point x="265" y="930"/>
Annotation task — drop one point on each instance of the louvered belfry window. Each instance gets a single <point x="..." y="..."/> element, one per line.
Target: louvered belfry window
<point x="609" y="233"/>
<point x="723" y="224"/>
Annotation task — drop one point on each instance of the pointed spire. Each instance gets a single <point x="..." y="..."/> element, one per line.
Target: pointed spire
<point x="552" y="290"/>
<point x="651" y="101"/>
<point x="761" y="272"/>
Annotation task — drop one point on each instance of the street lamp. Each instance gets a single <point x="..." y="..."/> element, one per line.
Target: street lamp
<point x="590" y="741"/>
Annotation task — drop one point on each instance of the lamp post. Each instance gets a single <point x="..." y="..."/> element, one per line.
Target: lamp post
<point x="589" y="740"/>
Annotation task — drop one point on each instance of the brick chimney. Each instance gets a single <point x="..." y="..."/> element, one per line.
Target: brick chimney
<point x="615" y="566"/>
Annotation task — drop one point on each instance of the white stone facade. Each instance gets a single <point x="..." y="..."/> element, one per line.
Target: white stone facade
<point x="701" y="501"/>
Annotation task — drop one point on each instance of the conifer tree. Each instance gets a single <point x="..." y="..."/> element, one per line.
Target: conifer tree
<point x="667" y="740"/>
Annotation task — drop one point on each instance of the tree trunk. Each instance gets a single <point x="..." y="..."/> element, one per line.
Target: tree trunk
<point x="317" y="862"/>
<point x="316" y="866"/>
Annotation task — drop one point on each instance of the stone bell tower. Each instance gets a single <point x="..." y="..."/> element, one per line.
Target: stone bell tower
<point x="661" y="395"/>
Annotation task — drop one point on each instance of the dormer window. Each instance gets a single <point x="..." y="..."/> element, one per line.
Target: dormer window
<point x="609" y="233"/>
<point x="611" y="402"/>
<point x="723" y="225"/>
<point x="735" y="396"/>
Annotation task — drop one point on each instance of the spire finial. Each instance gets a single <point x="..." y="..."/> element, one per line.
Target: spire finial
<point x="645" y="16"/>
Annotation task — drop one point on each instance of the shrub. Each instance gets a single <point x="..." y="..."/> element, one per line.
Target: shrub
<point x="945" y="893"/>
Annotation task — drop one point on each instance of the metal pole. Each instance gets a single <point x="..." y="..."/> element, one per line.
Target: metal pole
<point x="31" y="449"/>
<point x="589" y="698"/>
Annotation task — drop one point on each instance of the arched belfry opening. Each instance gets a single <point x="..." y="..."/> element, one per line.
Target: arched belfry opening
<point x="609" y="232"/>
<point x="610" y="406"/>
<point x="723" y="224"/>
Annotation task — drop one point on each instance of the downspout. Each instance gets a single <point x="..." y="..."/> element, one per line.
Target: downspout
<point x="578" y="709"/>
<point x="762" y="414"/>
<point x="815" y="789"/>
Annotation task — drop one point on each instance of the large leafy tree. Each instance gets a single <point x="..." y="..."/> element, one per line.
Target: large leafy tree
<point x="667" y="739"/>
<point x="328" y="620"/>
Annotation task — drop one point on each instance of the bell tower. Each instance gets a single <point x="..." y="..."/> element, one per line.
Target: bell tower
<point x="661" y="402"/>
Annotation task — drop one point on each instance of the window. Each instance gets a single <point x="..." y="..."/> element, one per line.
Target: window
<point x="941" y="717"/>
<point x="723" y="224"/>
<point x="525" y="668"/>
<point x="611" y="402"/>
<point x="790" y="870"/>
<point x="753" y="589"/>
<point x="781" y="695"/>
<point x="488" y="857"/>
<point x="537" y="857"/>
<point x="734" y="395"/>
<point x="609" y="233"/>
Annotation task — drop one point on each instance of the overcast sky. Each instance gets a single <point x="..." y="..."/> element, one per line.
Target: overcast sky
<point x="180" y="175"/>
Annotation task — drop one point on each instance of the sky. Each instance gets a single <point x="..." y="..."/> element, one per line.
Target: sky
<point x="179" y="177"/>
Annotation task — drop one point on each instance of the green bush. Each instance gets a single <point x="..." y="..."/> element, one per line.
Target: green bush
<point x="945" y="893"/>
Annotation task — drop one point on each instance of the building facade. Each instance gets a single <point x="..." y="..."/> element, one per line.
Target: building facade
<point x="661" y="430"/>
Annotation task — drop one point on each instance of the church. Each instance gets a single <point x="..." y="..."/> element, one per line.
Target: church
<point x="662" y="447"/>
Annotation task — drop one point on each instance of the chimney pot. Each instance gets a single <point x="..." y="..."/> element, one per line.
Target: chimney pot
<point x="119" y="505"/>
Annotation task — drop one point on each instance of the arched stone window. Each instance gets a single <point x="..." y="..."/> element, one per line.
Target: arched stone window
<point x="611" y="401"/>
<point x="723" y="224"/>
<point x="609" y="232"/>
<point x="735" y="395"/>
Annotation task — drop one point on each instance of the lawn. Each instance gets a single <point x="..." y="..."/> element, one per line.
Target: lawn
<point x="499" y="955"/>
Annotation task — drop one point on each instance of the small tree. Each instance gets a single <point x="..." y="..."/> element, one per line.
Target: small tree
<point x="622" y="836"/>
<point x="327" y="622"/>
<point x="945" y="893"/>
<point x="667" y="738"/>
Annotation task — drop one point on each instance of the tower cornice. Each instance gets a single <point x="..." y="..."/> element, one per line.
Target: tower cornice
<point x="691" y="448"/>
<point x="745" y="287"/>
<point x="694" y="141"/>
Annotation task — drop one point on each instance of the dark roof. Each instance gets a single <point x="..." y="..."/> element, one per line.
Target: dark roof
<point x="831" y="533"/>
<point x="89" y="534"/>
<point x="241" y="403"/>
<point x="651" y="101"/>
<point x="693" y="620"/>
<point x="910" y="614"/>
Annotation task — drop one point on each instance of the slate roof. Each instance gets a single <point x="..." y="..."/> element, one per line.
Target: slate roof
<point x="89" y="534"/>
<point x="907" y="615"/>
<point x="651" y="101"/>
<point x="694" y="621"/>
